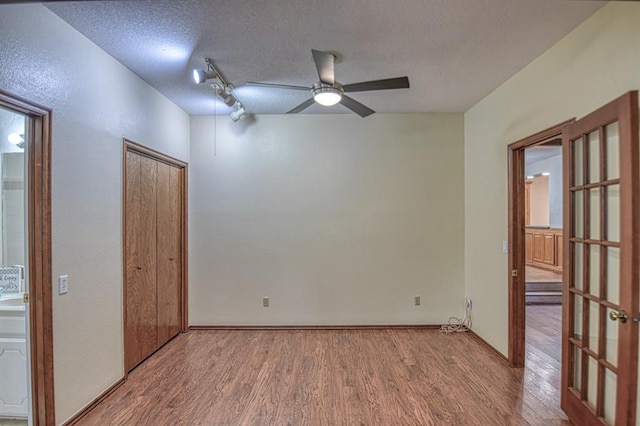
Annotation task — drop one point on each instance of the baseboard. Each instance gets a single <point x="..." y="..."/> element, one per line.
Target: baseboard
<point x="87" y="409"/>
<point x="488" y="346"/>
<point x="316" y="327"/>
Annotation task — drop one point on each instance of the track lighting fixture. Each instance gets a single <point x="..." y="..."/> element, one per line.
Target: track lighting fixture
<point x="222" y="89"/>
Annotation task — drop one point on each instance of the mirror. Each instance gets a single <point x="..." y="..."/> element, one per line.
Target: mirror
<point x="12" y="201"/>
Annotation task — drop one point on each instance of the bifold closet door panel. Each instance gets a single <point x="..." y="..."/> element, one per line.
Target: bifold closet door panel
<point x="140" y="234"/>
<point x="169" y="251"/>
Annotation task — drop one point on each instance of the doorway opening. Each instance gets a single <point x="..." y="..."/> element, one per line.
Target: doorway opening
<point x="535" y="258"/>
<point x="535" y="235"/>
<point x="25" y="262"/>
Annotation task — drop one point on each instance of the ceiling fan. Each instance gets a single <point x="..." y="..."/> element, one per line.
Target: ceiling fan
<point x="328" y="91"/>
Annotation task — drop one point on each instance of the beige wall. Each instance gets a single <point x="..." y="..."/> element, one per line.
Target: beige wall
<point x="96" y="101"/>
<point x="338" y="219"/>
<point x="594" y="64"/>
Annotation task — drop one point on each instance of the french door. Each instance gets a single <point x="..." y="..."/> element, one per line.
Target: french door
<point x="601" y="266"/>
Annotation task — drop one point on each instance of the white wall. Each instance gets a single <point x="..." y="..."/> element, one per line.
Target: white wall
<point x="12" y="192"/>
<point x="539" y="201"/>
<point x="96" y="102"/>
<point x="597" y="62"/>
<point x="338" y="219"/>
<point x="553" y="166"/>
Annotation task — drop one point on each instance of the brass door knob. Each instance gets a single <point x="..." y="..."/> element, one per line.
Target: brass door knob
<point x="621" y="316"/>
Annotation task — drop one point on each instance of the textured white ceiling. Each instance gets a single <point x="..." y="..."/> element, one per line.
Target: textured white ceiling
<point x="454" y="52"/>
<point x="539" y="153"/>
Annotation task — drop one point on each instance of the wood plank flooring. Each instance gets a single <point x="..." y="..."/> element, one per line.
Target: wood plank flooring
<point x="543" y="360"/>
<point x="337" y="377"/>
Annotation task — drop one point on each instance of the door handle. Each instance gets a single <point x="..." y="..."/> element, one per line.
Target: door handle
<point x="615" y="316"/>
<point x="138" y="267"/>
<point x="171" y="258"/>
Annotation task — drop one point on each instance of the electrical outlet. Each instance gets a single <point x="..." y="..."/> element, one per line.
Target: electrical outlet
<point x="63" y="284"/>
<point x="468" y="303"/>
<point x="416" y="300"/>
<point x="265" y="302"/>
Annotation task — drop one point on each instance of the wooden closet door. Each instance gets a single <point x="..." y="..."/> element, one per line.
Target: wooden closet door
<point x="169" y="243"/>
<point x="140" y="238"/>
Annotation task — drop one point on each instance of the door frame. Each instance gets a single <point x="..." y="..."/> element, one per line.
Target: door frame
<point x="39" y="255"/>
<point x="516" y="237"/>
<point x="130" y="146"/>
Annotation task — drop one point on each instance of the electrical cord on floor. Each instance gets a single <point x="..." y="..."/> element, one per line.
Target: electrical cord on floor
<point x="457" y="325"/>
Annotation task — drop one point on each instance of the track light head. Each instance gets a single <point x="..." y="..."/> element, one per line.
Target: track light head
<point x="201" y="76"/>
<point x="238" y="113"/>
<point x="227" y="97"/>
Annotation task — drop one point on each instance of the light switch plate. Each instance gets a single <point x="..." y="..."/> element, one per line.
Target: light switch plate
<point x="505" y="247"/>
<point x="63" y="284"/>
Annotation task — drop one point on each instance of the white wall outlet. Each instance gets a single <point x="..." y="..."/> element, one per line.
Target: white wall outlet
<point x="468" y="303"/>
<point x="265" y="302"/>
<point x="416" y="300"/>
<point x="63" y="284"/>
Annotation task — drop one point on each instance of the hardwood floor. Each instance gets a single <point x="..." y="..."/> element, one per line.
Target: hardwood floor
<point x="330" y="377"/>
<point x="543" y="357"/>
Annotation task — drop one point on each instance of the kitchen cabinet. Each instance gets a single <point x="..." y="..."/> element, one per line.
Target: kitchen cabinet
<point x="543" y="248"/>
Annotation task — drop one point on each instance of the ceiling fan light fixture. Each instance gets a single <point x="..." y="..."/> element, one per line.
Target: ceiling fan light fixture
<point x="327" y="96"/>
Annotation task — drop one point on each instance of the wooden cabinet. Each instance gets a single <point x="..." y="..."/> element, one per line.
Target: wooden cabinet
<point x="528" y="250"/>
<point x="543" y="248"/>
<point x="154" y="254"/>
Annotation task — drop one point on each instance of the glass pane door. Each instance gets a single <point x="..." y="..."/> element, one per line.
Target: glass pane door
<point x="600" y="337"/>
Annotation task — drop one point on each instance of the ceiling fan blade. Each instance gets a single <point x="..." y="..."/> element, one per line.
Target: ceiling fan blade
<point x="389" y="83"/>
<point x="324" y="64"/>
<point x="306" y="104"/>
<point x="278" y="86"/>
<point x="355" y="106"/>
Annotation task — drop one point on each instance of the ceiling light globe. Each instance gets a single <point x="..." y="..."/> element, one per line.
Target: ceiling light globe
<point x="15" y="138"/>
<point x="327" y="97"/>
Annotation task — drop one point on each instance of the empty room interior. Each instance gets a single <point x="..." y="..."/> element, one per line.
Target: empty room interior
<point x="301" y="212"/>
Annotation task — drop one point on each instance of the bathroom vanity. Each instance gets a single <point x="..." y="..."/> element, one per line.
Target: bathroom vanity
<point x="13" y="357"/>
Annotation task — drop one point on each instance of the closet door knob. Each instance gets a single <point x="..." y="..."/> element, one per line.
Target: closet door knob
<point x="138" y="267"/>
<point x="171" y="258"/>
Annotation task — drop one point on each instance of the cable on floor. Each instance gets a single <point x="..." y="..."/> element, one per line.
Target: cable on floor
<point x="457" y="325"/>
